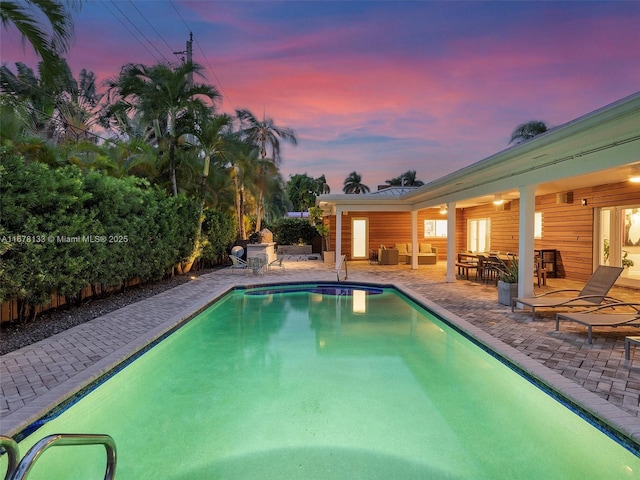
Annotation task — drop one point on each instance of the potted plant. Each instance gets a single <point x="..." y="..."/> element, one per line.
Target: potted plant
<point x="507" y="280"/>
<point x="315" y="215"/>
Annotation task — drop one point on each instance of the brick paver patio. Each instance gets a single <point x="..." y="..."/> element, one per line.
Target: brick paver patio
<point x="36" y="378"/>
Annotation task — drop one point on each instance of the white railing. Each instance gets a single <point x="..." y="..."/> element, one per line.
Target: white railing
<point x="342" y="261"/>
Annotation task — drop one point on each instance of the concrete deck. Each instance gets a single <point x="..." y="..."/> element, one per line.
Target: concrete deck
<point x="36" y="378"/>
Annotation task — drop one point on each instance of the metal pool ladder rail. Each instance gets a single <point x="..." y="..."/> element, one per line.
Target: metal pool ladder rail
<point x="18" y="470"/>
<point x="341" y="262"/>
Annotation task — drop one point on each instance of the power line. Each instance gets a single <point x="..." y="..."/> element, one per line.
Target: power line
<point x="132" y="34"/>
<point x="178" y="12"/>
<point x="204" y="56"/>
<point x="214" y="74"/>
<point x="141" y="33"/>
<point x="152" y="27"/>
<point x="129" y="30"/>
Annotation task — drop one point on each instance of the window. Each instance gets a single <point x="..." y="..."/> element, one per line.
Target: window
<point x="479" y="234"/>
<point x="435" y="228"/>
<point x="537" y="228"/>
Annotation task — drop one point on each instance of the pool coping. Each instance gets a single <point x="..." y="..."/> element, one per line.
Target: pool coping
<point x="614" y="417"/>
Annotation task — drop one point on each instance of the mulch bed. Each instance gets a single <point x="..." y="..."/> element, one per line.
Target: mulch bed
<point x="16" y="335"/>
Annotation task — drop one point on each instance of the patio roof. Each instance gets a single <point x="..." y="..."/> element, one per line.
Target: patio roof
<point x="597" y="148"/>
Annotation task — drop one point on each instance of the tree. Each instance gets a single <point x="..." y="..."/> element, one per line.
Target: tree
<point x="217" y="146"/>
<point x="53" y="105"/>
<point x="265" y="136"/>
<point x="323" y="186"/>
<point x="167" y="100"/>
<point x="526" y="131"/>
<point x="302" y="191"/>
<point x="407" y="179"/>
<point x="278" y="204"/>
<point x="353" y="184"/>
<point x="45" y="24"/>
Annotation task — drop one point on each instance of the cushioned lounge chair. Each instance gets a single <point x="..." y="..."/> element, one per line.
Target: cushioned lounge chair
<point x="592" y="294"/>
<point x="604" y="316"/>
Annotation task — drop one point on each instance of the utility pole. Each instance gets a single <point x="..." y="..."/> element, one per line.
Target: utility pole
<point x="189" y="53"/>
<point x="190" y="56"/>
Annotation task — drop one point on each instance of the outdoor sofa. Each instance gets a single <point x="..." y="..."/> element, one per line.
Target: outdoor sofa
<point x="427" y="254"/>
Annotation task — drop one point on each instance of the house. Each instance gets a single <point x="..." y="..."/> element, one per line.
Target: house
<point x="567" y="192"/>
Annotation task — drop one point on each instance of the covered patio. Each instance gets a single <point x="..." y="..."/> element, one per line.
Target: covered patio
<point x="568" y="190"/>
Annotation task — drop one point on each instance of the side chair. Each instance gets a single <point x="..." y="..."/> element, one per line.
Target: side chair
<point x="277" y="263"/>
<point x="238" y="264"/>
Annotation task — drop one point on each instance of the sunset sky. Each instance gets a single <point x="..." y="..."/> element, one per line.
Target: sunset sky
<point x="379" y="87"/>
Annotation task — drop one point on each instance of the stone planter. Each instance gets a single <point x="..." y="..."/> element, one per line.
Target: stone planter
<point x="506" y="291"/>
<point x="329" y="257"/>
<point x="294" y="249"/>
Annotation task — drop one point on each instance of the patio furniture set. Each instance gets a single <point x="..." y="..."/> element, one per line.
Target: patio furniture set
<point x="258" y="264"/>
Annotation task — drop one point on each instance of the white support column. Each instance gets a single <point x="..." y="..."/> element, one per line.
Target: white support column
<point x="414" y="239"/>
<point x="525" y="242"/>
<point x="452" y="253"/>
<point x="338" y="236"/>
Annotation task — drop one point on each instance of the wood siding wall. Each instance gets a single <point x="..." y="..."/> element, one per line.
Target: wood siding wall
<point x="566" y="227"/>
<point x="388" y="228"/>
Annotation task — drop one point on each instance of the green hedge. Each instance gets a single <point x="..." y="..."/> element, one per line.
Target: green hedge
<point x="289" y="231"/>
<point x="63" y="231"/>
<point x="219" y="231"/>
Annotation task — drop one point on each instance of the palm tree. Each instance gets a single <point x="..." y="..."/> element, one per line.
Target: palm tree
<point x="35" y="96"/>
<point x="242" y="172"/>
<point x="266" y="136"/>
<point x="216" y="143"/>
<point x="407" y="179"/>
<point x="526" y="131"/>
<point x="167" y="99"/>
<point x="278" y="204"/>
<point x="322" y="185"/>
<point x="45" y="24"/>
<point x="353" y="184"/>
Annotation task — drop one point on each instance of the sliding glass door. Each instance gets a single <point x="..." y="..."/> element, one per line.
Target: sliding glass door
<point x="619" y="241"/>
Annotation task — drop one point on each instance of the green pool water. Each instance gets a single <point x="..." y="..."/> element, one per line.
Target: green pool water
<point x="308" y="386"/>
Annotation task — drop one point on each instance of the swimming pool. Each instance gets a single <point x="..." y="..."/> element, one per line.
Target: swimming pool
<point x="320" y="382"/>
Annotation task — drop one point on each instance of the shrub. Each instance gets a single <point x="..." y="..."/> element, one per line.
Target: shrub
<point x="218" y="233"/>
<point x="62" y="231"/>
<point x="288" y="231"/>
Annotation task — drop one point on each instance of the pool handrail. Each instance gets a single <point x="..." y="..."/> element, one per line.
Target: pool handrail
<point x="62" y="439"/>
<point x="342" y="261"/>
<point x="13" y="455"/>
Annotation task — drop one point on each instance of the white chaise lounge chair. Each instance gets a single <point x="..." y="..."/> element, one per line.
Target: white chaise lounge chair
<point x="592" y="294"/>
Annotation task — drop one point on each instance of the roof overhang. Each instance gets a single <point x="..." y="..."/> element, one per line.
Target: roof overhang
<point x="597" y="148"/>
